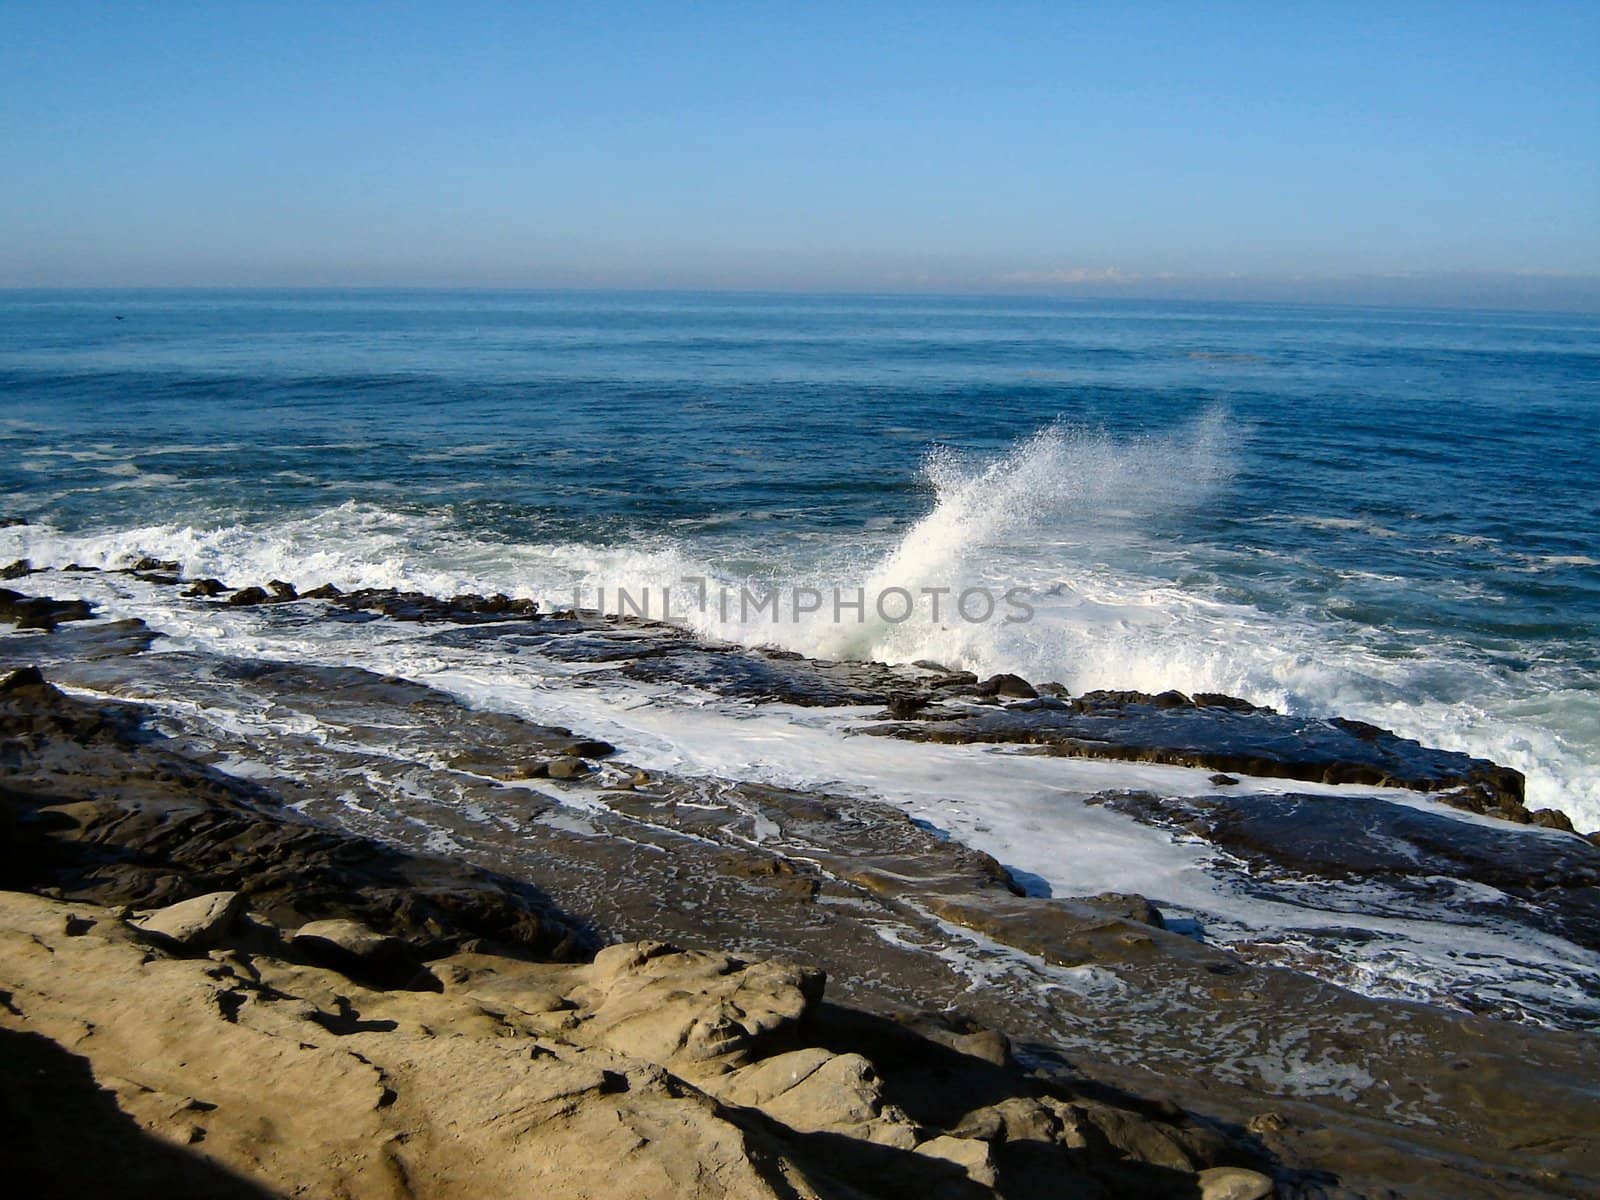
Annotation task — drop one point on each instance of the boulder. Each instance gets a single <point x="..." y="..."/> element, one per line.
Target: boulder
<point x="361" y="953"/>
<point x="245" y="597"/>
<point x="970" y="1154"/>
<point x="1007" y="685"/>
<point x="568" y="766"/>
<point x="1234" y="1183"/>
<point x="22" y="677"/>
<point x="202" y="923"/>
<point x="696" y="1012"/>
<point x="40" y="612"/>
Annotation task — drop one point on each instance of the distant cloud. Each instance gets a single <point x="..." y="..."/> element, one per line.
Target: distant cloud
<point x="1069" y="275"/>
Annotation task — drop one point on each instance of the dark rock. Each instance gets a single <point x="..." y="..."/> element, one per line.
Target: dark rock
<point x="749" y="674"/>
<point x="12" y="522"/>
<point x="1222" y="780"/>
<point x="1231" y="703"/>
<point x="1040" y="704"/>
<point x="1102" y="699"/>
<point x="282" y="590"/>
<point x="246" y="597"/>
<point x="1133" y="726"/>
<point x="1551" y="818"/>
<point x="418" y="606"/>
<point x="22" y="677"/>
<point x="906" y="704"/>
<point x="206" y="588"/>
<point x="40" y="612"/>
<point x="1007" y="685"/>
<point x="568" y="766"/>
<point x="157" y="565"/>
<point x="149" y="828"/>
<point x="17" y="569"/>
<point x="326" y="592"/>
<point x="1553" y="880"/>
<point x="1130" y="906"/>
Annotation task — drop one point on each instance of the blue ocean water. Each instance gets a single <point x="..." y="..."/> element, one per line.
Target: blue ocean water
<point x="1382" y="513"/>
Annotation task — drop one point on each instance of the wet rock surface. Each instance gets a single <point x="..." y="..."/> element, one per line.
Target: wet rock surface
<point x="924" y="702"/>
<point x="725" y="1076"/>
<point x="1226" y="735"/>
<point x="172" y="830"/>
<point x="40" y="612"/>
<point x="1549" y="881"/>
<point x="1327" y="1092"/>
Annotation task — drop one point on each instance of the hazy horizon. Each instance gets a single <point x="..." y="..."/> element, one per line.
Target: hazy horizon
<point x="1421" y="294"/>
<point x="1415" y="155"/>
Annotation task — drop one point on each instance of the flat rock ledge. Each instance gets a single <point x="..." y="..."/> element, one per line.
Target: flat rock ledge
<point x="925" y="701"/>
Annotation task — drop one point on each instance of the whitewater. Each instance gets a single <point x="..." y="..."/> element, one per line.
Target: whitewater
<point x="1380" y="515"/>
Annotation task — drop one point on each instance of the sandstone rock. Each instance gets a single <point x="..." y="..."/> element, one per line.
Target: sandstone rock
<point x="202" y="923"/>
<point x="387" y="1098"/>
<point x="350" y="937"/>
<point x="989" y="1045"/>
<point x="351" y="947"/>
<point x="694" y="1011"/>
<point x="969" y="1154"/>
<point x="1234" y="1183"/>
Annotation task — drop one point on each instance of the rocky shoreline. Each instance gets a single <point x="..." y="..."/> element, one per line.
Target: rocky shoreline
<point x="165" y="918"/>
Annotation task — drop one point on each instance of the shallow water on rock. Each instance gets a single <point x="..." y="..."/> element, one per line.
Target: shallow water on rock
<point x="1515" y="940"/>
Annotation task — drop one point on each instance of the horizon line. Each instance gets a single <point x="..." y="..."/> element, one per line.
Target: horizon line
<point x="1086" y="294"/>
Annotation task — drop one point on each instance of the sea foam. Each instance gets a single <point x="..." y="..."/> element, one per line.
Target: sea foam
<point x="1073" y="518"/>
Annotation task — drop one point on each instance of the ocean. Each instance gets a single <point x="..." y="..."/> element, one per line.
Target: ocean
<point x="1390" y="515"/>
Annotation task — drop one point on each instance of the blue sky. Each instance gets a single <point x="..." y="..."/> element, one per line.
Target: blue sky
<point x="1401" y="151"/>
